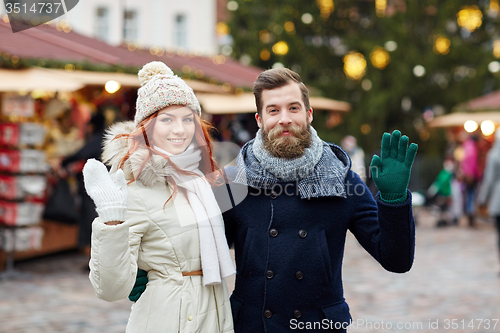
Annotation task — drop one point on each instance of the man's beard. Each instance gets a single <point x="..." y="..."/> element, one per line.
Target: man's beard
<point x="289" y="146"/>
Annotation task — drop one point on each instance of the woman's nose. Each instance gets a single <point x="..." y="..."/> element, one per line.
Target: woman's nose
<point x="179" y="128"/>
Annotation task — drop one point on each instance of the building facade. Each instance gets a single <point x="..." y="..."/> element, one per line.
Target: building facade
<point x="169" y="24"/>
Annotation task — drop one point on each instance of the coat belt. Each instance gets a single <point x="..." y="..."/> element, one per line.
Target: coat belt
<point x="192" y="273"/>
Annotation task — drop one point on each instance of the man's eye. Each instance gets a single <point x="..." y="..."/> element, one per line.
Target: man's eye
<point x="273" y="111"/>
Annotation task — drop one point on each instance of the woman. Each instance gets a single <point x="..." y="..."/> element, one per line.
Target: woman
<point x="157" y="212"/>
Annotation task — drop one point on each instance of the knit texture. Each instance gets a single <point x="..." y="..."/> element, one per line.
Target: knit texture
<point x="326" y="179"/>
<point x="216" y="261"/>
<point x="391" y="171"/>
<point x="289" y="169"/>
<point x="161" y="88"/>
<point x="109" y="195"/>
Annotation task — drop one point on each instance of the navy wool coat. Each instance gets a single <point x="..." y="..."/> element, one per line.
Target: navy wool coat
<point x="289" y="252"/>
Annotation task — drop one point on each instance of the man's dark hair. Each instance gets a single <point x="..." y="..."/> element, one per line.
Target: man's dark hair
<point x="277" y="78"/>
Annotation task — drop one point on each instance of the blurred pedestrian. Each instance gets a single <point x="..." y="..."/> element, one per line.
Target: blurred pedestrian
<point x="489" y="193"/>
<point x="157" y="212"/>
<point x="439" y="193"/>
<point x="470" y="172"/>
<point x="91" y="149"/>
<point x="357" y="155"/>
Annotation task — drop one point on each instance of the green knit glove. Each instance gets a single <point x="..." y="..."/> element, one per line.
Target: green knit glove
<point x="391" y="172"/>
<point x="140" y="285"/>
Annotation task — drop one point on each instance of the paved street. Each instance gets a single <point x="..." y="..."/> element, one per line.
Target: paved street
<point x="455" y="276"/>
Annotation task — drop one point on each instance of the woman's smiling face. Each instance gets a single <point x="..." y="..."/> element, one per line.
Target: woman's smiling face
<point x="174" y="129"/>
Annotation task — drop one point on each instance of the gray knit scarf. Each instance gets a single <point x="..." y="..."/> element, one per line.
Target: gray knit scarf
<point x="327" y="177"/>
<point x="289" y="169"/>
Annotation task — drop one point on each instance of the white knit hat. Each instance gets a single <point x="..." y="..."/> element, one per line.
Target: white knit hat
<point x="161" y="88"/>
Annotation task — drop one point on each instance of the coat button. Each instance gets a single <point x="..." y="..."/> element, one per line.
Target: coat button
<point x="273" y="232"/>
<point x="268" y="314"/>
<point x="297" y="314"/>
<point x="190" y="318"/>
<point x="299" y="275"/>
<point x="302" y="234"/>
<point x="273" y="195"/>
<point x="269" y="274"/>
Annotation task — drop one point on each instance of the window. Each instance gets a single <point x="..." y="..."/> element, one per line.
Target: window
<point x="101" y="24"/>
<point x="180" y="30"/>
<point x="130" y="26"/>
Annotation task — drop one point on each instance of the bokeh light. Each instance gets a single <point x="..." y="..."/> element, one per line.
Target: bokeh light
<point x="470" y="126"/>
<point x="441" y="45"/>
<point x="380" y="58"/>
<point x="488" y="127"/>
<point x="470" y="18"/>
<point x="112" y="86"/>
<point x="354" y="65"/>
<point x="280" y="48"/>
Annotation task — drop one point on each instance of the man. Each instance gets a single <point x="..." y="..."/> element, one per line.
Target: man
<point x="289" y="231"/>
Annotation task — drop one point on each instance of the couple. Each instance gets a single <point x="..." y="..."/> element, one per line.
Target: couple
<point x="159" y="212"/>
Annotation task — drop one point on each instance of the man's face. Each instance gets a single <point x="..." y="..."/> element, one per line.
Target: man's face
<point x="285" y="121"/>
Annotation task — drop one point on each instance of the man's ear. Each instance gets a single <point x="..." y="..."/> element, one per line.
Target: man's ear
<point x="258" y="119"/>
<point x="310" y="115"/>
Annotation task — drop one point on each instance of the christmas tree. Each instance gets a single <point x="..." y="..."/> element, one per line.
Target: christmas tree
<point x="399" y="63"/>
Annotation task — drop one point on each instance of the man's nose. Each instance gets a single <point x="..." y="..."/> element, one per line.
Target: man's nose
<point x="285" y="118"/>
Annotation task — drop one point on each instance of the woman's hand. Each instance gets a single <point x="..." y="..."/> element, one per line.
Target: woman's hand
<point x="109" y="195"/>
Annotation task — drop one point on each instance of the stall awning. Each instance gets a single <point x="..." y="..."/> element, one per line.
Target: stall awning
<point x="35" y="79"/>
<point x="459" y="118"/>
<point x="125" y="80"/>
<point x="245" y="103"/>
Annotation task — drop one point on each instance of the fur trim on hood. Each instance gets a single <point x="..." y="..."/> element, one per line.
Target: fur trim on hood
<point x="156" y="168"/>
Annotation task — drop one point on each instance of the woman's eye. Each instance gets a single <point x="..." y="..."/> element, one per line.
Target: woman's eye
<point x="188" y="119"/>
<point x="166" y="120"/>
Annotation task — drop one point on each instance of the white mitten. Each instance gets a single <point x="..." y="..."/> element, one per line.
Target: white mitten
<point x="109" y="195"/>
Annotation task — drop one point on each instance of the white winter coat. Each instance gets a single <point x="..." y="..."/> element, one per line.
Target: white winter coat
<point x="163" y="240"/>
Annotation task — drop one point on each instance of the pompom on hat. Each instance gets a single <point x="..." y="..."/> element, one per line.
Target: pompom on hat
<point x="161" y="88"/>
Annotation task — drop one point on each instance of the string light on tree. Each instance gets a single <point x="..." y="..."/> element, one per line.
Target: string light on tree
<point x="494" y="6"/>
<point x="265" y="36"/>
<point x="289" y="26"/>
<point x="307" y="18"/>
<point x="354" y="65"/>
<point x="496" y="48"/>
<point x="441" y="45"/>
<point x="379" y="57"/>
<point x="380" y="7"/>
<point x="265" y="55"/>
<point x="391" y="46"/>
<point x="326" y="7"/>
<point x="494" y="67"/>
<point x="280" y="48"/>
<point x="419" y="71"/>
<point x="470" y="18"/>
